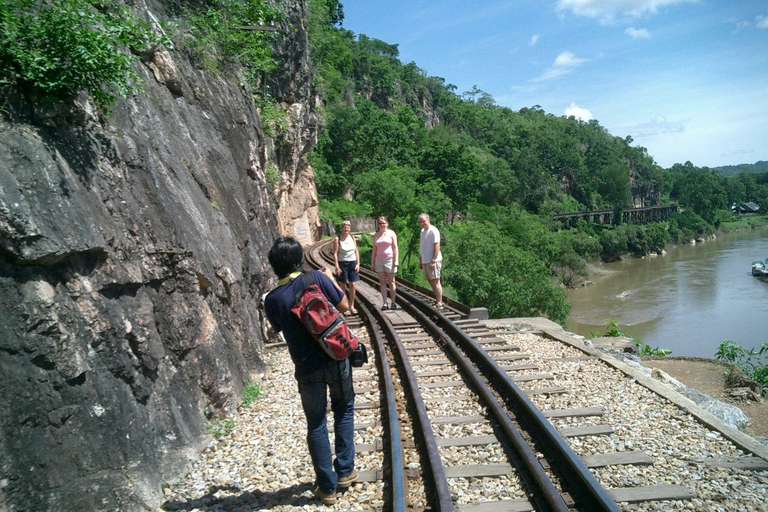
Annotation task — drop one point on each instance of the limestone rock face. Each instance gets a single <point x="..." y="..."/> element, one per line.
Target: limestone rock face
<point x="132" y="262"/>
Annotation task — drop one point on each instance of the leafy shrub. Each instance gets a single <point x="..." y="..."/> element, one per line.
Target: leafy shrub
<point x="64" y="47"/>
<point x="613" y="243"/>
<point x="612" y="330"/>
<point x="754" y="362"/>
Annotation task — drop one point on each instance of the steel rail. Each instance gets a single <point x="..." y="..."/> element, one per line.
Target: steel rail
<point x="396" y="469"/>
<point x="435" y="472"/>
<point x="586" y="491"/>
<point x="540" y="486"/>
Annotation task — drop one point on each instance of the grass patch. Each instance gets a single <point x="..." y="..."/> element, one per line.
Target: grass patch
<point x="220" y="427"/>
<point x="251" y="392"/>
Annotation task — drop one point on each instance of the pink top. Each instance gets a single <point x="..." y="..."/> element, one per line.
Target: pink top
<point x="384" y="245"/>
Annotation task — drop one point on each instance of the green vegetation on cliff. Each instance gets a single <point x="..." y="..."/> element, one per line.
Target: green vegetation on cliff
<point x="398" y="142"/>
<point x="63" y="47"/>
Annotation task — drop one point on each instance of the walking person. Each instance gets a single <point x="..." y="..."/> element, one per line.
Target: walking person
<point x="347" y="259"/>
<point x="384" y="262"/>
<point x="430" y="258"/>
<point x="317" y="374"/>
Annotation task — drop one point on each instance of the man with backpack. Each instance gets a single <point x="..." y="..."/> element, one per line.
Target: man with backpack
<point x="316" y="372"/>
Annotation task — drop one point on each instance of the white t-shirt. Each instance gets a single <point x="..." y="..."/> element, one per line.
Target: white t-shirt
<point x="428" y="238"/>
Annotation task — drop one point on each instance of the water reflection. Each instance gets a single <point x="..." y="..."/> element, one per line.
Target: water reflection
<point x="689" y="300"/>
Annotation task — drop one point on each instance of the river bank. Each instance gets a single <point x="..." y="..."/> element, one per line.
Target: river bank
<point x="596" y="270"/>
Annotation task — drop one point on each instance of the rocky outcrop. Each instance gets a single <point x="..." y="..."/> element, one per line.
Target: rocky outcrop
<point x="132" y="261"/>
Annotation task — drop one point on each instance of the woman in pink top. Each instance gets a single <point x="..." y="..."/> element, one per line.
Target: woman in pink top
<point x="384" y="262"/>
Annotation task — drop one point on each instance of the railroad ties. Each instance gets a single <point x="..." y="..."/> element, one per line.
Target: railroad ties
<point x="461" y="418"/>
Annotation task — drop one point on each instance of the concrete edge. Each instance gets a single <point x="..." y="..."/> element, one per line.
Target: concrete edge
<point x="740" y="439"/>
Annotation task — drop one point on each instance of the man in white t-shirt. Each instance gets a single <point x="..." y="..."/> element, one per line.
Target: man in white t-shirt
<point x="430" y="258"/>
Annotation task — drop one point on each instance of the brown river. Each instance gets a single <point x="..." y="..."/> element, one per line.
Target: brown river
<point x="689" y="300"/>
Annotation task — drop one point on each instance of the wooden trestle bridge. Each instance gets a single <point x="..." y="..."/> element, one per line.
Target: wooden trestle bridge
<point x="628" y="215"/>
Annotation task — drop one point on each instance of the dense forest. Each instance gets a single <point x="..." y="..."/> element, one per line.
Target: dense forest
<point x="398" y="142"/>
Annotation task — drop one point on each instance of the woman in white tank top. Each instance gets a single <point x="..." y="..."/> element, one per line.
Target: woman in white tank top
<point x="347" y="259"/>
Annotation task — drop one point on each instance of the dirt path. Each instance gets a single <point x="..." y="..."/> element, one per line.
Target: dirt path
<point x="708" y="376"/>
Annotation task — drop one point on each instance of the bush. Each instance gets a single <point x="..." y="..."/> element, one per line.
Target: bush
<point x="754" y="362"/>
<point x="613" y="243"/>
<point x="64" y="47"/>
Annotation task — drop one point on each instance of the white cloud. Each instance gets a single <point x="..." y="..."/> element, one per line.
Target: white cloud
<point x="656" y="126"/>
<point x="637" y="33"/>
<point x="534" y="40"/>
<point x="568" y="59"/>
<point x="578" y="112"/>
<point x="608" y="11"/>
<point x="761" y="21"/>
<point x="564" y="64"/>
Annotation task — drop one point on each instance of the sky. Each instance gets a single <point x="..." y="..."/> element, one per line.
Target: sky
<point x="686" y="79"/>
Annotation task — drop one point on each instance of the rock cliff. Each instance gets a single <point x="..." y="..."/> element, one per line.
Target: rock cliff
<point x="132" y="262"/>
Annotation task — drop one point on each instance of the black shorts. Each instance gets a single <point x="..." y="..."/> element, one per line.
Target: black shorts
<point x="348" y="272"/>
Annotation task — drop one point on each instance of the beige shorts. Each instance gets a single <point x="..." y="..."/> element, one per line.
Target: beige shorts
<point x="383" y="265"/>
<point x="432" y="273"/>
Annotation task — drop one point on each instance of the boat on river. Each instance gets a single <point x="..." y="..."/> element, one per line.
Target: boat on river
<point x="760" y="269"/>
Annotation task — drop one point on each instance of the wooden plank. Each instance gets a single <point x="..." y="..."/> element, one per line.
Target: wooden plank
<point x="493" y="341"/>
<point x="577" y="413"/>
<point x="510" y="348"/>
<point x="359" y="406"/>
<point x="479" y="471"/>
<point x="519" y="367"/>
<point x="617" y="458"/>
<point x="432" y="362"/>
<point x="441" y="373"/>
<point x="651" y="493"/>
<point x="448" y="399"/>
<point x="358" y="426"/>
<point x="467" y="441"/>
<point x="534" y="376"/>
<point x="594" y="430"/>
<point x="569" y="359"/>
<point x="360" y="391"/>
<point x="545" y="391"/>
<point x="443" y="384"/>
<point x="456" y="420"/>
<point x="512" y="505"/>
<point x="511" y="357"/>
<point x="419" y="346"/>
<point x="415" y="337"/>
<point x="369" y="476"/>
<point x="746" y="463"/>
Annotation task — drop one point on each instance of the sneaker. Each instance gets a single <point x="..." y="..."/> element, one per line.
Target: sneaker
<point x="440" y="307"/>
<point x="384" y="307"/>
<point x="346" y="481"/>
<point x="327" y="499"/>
<point x="393" y="306"/>
<point x="353" y="311"/>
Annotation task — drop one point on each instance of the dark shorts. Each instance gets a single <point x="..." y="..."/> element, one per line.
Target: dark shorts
<point x="348" y="272"/>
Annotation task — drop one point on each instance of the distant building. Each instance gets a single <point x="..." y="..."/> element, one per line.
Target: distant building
<point x="748" y="207"/>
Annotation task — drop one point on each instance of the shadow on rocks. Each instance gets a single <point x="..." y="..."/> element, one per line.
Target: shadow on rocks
<point x="296" y="496"/>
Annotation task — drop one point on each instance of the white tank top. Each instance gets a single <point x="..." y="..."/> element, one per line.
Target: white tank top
<point x="347" y="249"/>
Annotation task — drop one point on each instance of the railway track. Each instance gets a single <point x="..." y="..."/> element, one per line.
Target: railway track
<point x="473" y="423"/>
